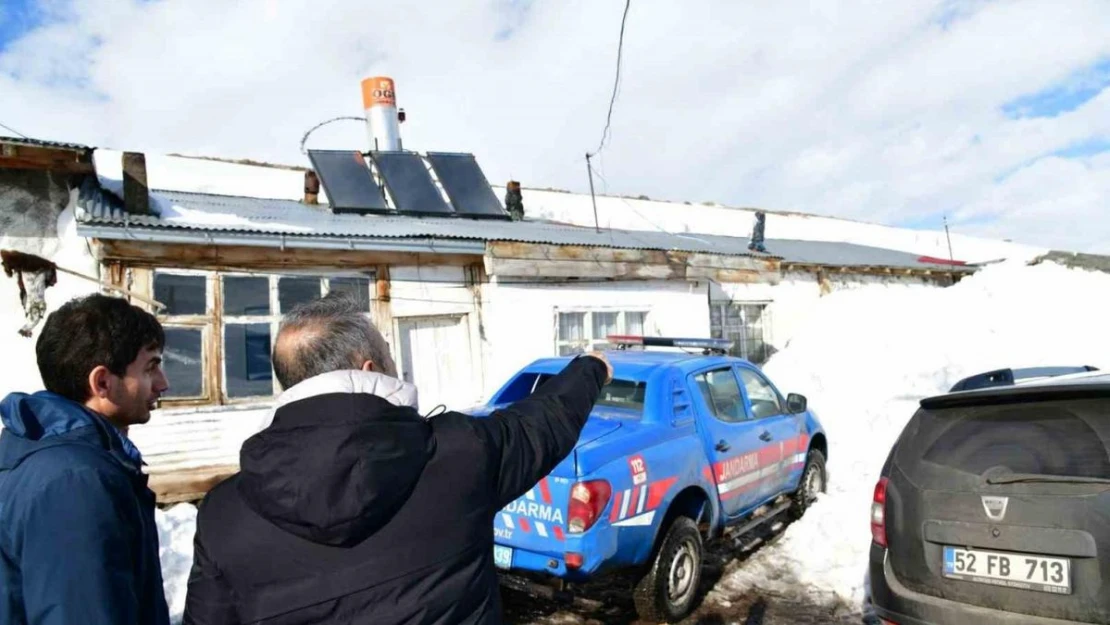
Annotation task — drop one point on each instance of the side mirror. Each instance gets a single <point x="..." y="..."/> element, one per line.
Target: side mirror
<point x="796" y="403"/>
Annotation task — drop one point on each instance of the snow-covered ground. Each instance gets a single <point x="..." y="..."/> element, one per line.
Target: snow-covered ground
<point x="176" y="527"/>
<point x="866" y="359"/>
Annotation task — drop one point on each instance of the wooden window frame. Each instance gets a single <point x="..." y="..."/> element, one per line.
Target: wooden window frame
<point x="214" y="322"/>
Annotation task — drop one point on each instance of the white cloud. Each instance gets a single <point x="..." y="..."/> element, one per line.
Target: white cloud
<point x="1064" y="201"/>
<point x="886" y="111"/>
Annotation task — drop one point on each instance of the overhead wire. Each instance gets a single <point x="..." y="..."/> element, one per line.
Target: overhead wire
<point x="606" y="133"/>
<point x="325" y="122"/>
<point x="644" y="217"/>
<point x="616" y="80"/>
<point x="13" y="130"/>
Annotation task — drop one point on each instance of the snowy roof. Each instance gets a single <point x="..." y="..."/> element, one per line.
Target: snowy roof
<point x="199" y="215"/>
<point x="250" y="179"/>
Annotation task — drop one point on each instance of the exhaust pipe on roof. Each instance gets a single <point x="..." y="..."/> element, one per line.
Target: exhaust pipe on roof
<point x="379" y="100"/>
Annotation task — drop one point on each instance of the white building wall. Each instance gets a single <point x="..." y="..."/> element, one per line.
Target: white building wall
<point x="18" y="368"/>
<point x="521" y="318"/>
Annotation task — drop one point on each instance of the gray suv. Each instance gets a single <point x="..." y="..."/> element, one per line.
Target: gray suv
<point x="993" y="508"/>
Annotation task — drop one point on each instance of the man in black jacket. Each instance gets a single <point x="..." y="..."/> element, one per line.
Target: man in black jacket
<point x="351" y="507"/>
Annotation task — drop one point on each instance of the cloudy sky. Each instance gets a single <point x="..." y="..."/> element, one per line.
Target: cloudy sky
<point x="995" y="114"/>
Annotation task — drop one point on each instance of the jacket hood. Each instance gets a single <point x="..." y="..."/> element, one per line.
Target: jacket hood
<point x="33" y="422"/>
<point x="342" y="453"/>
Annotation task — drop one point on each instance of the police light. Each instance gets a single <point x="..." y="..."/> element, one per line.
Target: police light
<point x="622" y="341"/>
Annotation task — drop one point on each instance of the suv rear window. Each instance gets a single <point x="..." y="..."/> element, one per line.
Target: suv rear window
<point x="627" y="395"/>
<point x="1063" y="438"/>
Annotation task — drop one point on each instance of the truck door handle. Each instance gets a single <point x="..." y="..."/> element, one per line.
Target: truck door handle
<point x="722" y="446"/>
<point x="765" y="436"/>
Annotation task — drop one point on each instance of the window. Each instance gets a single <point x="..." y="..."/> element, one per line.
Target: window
<point x="722" y="395"/>
<point x="225" y="357"/>
<point x="765" y="400"/>
<point x="578" y="332"/>
<point x="746" y="325"/>
<point x="627" y="395"/>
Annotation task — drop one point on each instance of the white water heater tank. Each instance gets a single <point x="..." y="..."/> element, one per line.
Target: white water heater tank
<point x="380" y="103"/>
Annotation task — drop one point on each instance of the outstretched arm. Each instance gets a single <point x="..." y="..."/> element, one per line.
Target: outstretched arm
<point x="534" y="434"/>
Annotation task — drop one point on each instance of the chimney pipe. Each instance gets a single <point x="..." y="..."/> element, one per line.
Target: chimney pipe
<point x="136" y="194"/>
<point x="379" y="100"/>
<point x="311" y="187"/>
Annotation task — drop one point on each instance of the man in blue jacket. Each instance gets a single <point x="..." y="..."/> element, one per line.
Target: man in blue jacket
<point x="78" y="542"/>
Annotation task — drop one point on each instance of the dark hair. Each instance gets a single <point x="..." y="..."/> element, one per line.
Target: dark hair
<point x="329" y="334"/>
<point x="88" y="332"/>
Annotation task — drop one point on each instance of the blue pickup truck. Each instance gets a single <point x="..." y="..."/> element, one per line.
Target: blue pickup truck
<point x="681" y="447"/>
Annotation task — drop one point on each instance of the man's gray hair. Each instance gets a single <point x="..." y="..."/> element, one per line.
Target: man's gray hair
<point x="328" y="334"/>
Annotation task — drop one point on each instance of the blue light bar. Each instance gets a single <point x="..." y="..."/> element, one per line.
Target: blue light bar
<point x="709" y="345"/>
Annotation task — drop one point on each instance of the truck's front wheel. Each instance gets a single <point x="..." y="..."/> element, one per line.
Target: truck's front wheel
<point x="667" y="592"/>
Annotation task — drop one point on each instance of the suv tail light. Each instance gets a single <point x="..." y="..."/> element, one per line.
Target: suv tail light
<point x="878" y="513"/>
<point x="587" y="500"/>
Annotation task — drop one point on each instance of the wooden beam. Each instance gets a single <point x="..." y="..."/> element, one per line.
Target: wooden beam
<point x="584" y="269"/>
<point x="67" y="161"/>
<point x="224" y="257"/>
<point x="190" y="484"/>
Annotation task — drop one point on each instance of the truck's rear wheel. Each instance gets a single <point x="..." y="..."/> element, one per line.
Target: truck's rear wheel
<point x="812" y="484"/>
<point x="668" y="591"/>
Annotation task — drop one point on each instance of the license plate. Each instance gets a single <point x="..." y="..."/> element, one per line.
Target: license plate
<point x="1012" y="570"/>
<point x="502" y="557"/>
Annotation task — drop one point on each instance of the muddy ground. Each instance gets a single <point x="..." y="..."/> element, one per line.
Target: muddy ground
<point x="610" y="602"/>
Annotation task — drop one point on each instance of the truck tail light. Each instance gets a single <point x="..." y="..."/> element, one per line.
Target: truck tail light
<point x="878" y="513"/>
<point x="587" y="500"/>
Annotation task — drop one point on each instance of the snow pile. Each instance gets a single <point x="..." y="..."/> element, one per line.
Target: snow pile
<point x="176" y="527"/>
<point x="868" y="356"/>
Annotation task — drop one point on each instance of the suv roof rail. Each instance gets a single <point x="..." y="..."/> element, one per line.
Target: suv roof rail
<point x="1011" y="376"/>
<point x="708" y="346"/>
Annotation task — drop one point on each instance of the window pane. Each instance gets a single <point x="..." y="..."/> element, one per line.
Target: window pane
<point x="753" y="315"/>
<point x="359" y="288"/>
<point x="743" y="325"/>
<point x="182" y="295"/>
<point x="765" y="402"/>
<point x="246" y="296"/>
<point x="247" y="359"/>
<point x="572" y="327"/>
<point x="722" y="395"/>
<point x="293" y="291"/>
<point x="570" y="350"/>
<point x="183" y="362"/>
<point x="604" y="324"/>
<point x="634" y="323"/>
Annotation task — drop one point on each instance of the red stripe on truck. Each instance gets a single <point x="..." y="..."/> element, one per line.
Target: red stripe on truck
<point x="616" y="512"/>
<point x="657" y="490"/>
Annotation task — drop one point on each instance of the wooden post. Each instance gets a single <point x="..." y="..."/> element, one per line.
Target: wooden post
<point x="382" y="309"/>
<point x="136" y="194"/>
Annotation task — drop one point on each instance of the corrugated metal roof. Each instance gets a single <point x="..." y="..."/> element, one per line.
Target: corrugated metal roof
<point x="43" y="143"/>
<point x="231" y="214"/>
